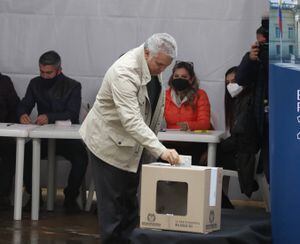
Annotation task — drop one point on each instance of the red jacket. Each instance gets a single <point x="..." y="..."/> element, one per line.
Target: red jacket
<point x="197" y="120"/>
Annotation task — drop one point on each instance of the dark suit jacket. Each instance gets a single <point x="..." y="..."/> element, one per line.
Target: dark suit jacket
<point x="59" y="98"/>
<point x="8" y="100"/>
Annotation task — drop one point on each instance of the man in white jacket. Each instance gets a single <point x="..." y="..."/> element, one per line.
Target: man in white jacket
<point x="120" y="132"/>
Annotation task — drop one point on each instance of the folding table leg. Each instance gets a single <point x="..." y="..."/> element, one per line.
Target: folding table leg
<point x="19" y="178"/>
<point x="36" y="160"/>
<point x="51" y="174"/>
<point x="211" y="154"/>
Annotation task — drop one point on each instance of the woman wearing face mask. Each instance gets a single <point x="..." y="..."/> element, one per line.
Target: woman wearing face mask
<point x="187" y="107"/>
<point x="237" y="151"/>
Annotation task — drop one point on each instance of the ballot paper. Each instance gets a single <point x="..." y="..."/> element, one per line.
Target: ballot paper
<point x="185" y="161"/>
<point x="65" y="123"/>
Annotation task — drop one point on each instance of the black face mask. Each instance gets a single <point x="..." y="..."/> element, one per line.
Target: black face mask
<point x="180" y="84"/>
<point x="49" y="82"/>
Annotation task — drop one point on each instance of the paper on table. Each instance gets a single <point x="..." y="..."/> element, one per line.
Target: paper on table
<point x="63" y="123"/>
<point x="201" y="131"/>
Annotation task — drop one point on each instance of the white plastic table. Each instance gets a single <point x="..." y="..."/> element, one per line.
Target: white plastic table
<point x="20" y="132"/>
<point x="50" y="132"/>
<point x="211" y="137"/>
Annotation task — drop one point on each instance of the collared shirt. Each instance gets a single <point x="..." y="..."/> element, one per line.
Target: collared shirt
<point x="154" y="89"/>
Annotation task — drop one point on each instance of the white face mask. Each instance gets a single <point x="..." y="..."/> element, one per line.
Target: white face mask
<point x="234" y="89"/>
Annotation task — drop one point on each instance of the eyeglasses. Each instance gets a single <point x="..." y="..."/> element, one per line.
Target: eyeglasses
<point x="184" y="62"/>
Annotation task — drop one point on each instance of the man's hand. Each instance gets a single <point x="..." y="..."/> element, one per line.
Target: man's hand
<point x="171" y="156"/>
<point x="254" y="51"/>
<point x="42" y="119"/>
<point x="25" y="119"/>
<point x="184" y="126"/>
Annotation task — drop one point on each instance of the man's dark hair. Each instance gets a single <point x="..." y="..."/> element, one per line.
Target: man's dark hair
<point x="264" y="28"/>
<point x="50" y="58"/>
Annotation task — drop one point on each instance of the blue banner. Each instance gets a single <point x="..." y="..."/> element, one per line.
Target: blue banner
<point x="284" y="96"/>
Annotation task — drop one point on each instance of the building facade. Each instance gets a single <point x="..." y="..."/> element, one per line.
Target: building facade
<point x="285" y="47"/>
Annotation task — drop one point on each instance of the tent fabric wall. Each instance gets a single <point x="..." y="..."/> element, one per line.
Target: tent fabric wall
<point x="90" y="35"/>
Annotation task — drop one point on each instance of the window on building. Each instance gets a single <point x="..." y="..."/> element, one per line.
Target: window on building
<point x="277" y="32"/>
<point x="291" y="32"/>
<point x="291" y="49"/>
<point x="278" y="49"/>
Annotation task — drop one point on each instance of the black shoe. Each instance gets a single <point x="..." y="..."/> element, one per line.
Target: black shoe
<point x="226" y="202"/>
<point x="5" y="204"/>
<point x="27" y="207"/>
<point x="71" y="206"/>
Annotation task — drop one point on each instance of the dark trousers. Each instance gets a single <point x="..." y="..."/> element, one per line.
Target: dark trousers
<point x="116" y="201"/>
<point x="7" y="165"/>
<point x="264" y="165"/>
<point x="226" y="158"/>
<point x="72" y="150"/>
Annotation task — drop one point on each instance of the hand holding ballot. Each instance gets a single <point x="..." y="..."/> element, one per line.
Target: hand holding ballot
<point x="171" y="156"/>
<point x="184" y="161"/>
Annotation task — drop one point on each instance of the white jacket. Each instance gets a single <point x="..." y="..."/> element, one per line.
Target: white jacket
<point x="117" y="128"/>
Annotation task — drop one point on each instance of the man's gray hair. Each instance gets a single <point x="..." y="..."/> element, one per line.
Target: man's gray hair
<point x="161" y="42"/>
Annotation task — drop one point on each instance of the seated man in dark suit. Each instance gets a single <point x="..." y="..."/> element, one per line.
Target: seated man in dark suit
<point x="8" y="104"/>
<point x="57" y="98"/>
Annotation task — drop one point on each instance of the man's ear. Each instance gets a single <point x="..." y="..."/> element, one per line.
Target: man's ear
<point x="146" y="53"/>
<point x="59" y="70"/>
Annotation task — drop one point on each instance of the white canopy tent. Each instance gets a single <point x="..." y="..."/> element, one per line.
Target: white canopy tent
<point x="89" y="35"/>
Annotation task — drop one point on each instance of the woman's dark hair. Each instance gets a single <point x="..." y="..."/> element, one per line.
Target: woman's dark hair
<point x="229" y="101"/>
<point x="191" y="93"/>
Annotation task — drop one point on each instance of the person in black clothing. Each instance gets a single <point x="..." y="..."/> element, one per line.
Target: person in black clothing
<point x="8" y="104"/>
<point x="253" y="72"/>
<point x="57" y="98"/>
<point x="238" y="150"/>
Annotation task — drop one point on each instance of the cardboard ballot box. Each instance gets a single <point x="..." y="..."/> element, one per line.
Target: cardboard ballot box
<point x="181" y="198"/>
